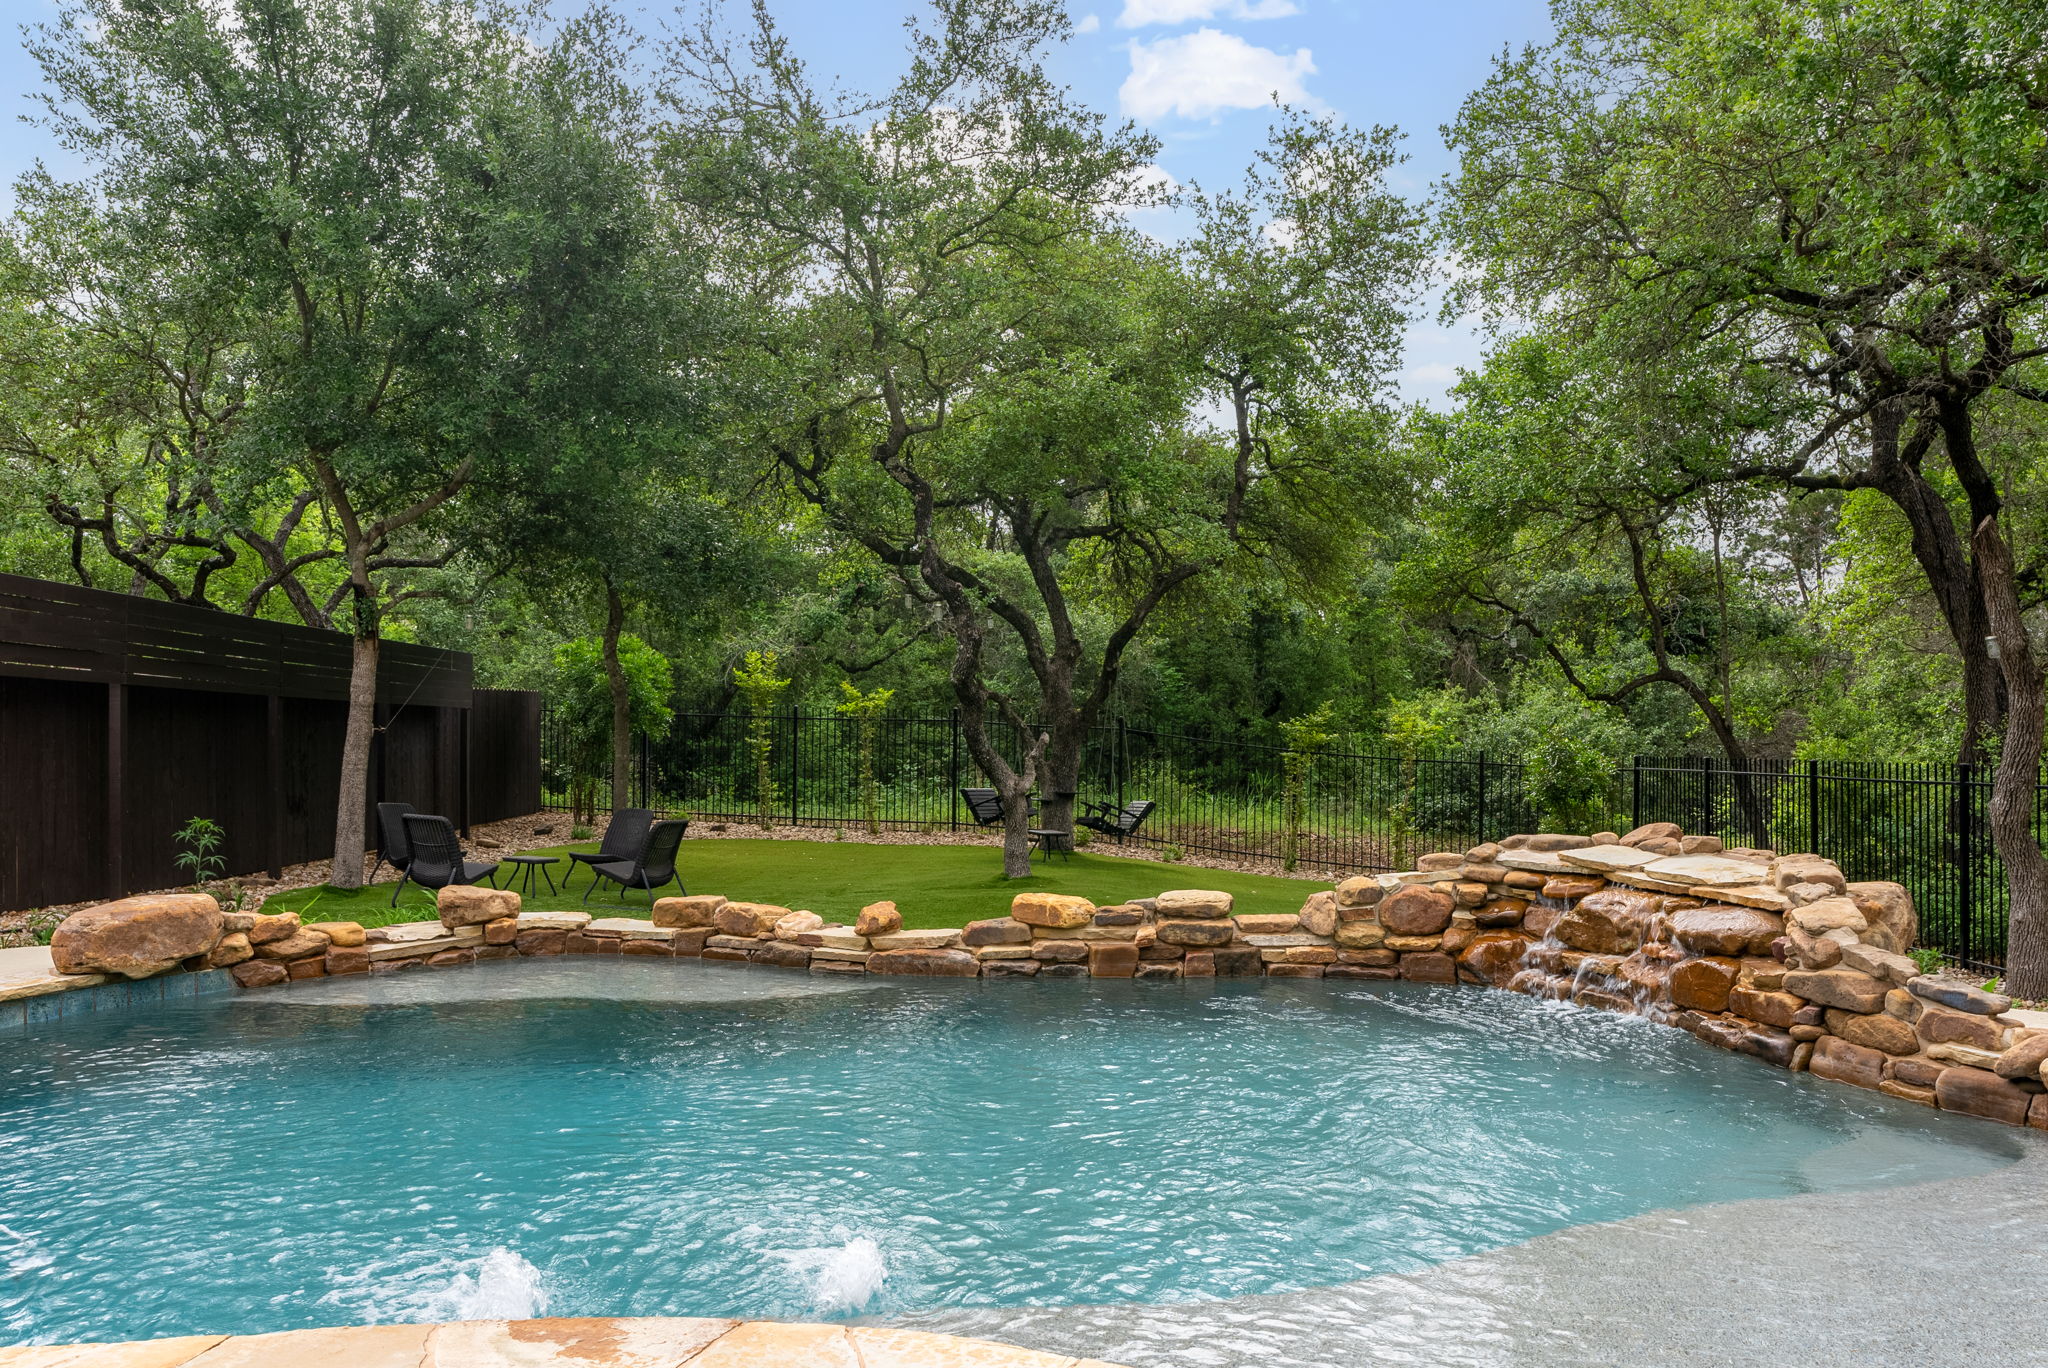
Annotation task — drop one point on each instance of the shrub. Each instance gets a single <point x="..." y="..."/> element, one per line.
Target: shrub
<point x="762" y="686"/>
<point x="866" y="709"/>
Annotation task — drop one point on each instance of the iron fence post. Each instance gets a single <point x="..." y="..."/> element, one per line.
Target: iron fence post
<point x="1636" y="791"/>
<point x="1482" y="799"/>
<point x="1966" y="831"/>
<point x="795" y="773"/>
<point x="1813" y="805"/>
<point x="1119" y="760"/>
<point x="954" y="784"/>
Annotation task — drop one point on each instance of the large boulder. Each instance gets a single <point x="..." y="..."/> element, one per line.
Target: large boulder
<point x="1205" y="934"/>
<point x="878" y="919"/>
<point x="2024" y="1060"/>
<point x="683" y="913"/>
<point x="468" y="905"/>
<point x="1960" y="996"/>
<point x="1790" y="870"/>
<point x="996" y="931"/>
<point x="1888" y="907"/>
<point x="925" y="963"/>
<point x="264" y="927"/>
<point x="1358" y="892"/>
<point x="1843" y="988"/>
<point x="137" y="937"/>
<point x="1319" y="914"/>
<point x="1828" y="914"/>
<point x="1055" y="911"/>
<point x="1703" y="985"/>
<point x="1886" y="1034"/>
<point x="1726" y="930"/>
<point x="1495" y="956"/>
<point x="1416" y="910"/>
<point x="748" y="919"/>
<point x="1612" y="922"/>
<point x="796" y="924"/>
<point x="1974" y="1092"/>
<point x="1182" y="903"/>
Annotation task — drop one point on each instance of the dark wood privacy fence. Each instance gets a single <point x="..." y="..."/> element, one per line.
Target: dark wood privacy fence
<point x="122" y="717"/>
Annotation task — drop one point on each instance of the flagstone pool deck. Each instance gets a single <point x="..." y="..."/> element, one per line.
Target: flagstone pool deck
<point x="598" y="1342"/>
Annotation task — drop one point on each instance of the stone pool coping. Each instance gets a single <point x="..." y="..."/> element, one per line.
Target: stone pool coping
<point x="587" y="1342"/>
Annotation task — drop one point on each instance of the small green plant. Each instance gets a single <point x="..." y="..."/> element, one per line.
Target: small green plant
<point x="866" y="710"/>
<point x="41" y="924"/>
<point x="199" y="842"/>
<point x="1927" y="957"/>
<point x="1303" y="737"/>
<point x="1991" y="985"/>
<point x="580" y="832"/>
<point x="838" y="833"/>
<point x="1172" y="854"/>
<point x="762" y="686"/>
<point x="1082" y="836"/>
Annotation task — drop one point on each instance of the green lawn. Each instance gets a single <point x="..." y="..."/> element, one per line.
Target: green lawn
<point x="932" y="885"/>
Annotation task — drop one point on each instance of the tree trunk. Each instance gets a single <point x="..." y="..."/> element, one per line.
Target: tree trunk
<point x="1062" y="770"/>
<point x="346" y="870"/>
<point x="1016" y="796"/>
<point x="2019" y="770"/>
<point x="622" y="701"/>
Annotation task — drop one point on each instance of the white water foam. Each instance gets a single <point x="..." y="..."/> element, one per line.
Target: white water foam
<point x="500" y="1285"/>
<point x="20" y="1255"/>
<point x="842" y="1277"/>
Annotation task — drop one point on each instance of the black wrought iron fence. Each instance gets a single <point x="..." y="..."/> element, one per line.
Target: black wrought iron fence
<point x="1926" y="826"/>
<point x="1921" y="825"/>
<point x="1216" y="795"/>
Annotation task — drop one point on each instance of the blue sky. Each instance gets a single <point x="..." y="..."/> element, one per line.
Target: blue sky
<point x="1197" y="73"/>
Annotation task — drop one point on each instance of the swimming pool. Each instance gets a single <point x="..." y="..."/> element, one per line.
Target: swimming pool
<point x="680" y="1137"/>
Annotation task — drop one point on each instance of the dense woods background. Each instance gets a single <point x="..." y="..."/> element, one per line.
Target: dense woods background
<point x="612" y="353"/>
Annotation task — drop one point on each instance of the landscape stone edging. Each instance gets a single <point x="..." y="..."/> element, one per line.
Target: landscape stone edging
<point x="1777" y="957"/>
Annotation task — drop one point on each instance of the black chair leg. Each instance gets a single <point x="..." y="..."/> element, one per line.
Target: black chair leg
<point x="398" y="887"/>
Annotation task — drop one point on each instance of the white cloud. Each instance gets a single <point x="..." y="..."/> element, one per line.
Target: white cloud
<point x="1089" y="23"/>
<point x="1151" y="179"/>
<point x="1138" y="13"/>
<point x="1432" y="373"/>
<point x="1201" y="74"/>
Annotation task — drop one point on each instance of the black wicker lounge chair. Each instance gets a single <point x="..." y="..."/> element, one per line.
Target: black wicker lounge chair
<point x="986" y="807"/>
<point x="437" y="857"/>
<point x="653" y="865"/>
<point x="392" y="847"/>
<point x="1114" y="821"/>
<point x="622" y="841"/>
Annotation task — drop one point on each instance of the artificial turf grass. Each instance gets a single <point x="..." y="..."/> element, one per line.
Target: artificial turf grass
<point x="933" y="886"/>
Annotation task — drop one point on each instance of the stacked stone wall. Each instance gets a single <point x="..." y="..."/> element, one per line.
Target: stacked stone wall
<point x="1774" y="956"/>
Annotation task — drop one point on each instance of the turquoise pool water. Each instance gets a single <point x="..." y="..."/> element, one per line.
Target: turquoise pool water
<point x="620" y="1137"/>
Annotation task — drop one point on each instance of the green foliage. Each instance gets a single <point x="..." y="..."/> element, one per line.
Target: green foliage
<point x="581" y="692"/>
<point x="761" y="685"/>
<point x="199" y="842"/>
<point x="1303" y="738"/>
<point x="866" y="709"/>
<point x="1571" y="783"/>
